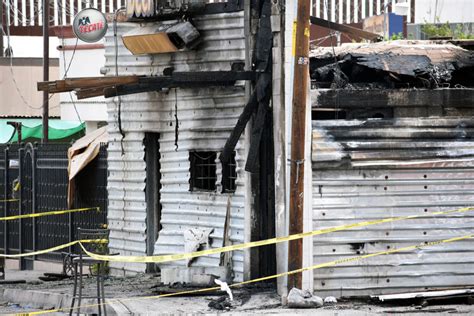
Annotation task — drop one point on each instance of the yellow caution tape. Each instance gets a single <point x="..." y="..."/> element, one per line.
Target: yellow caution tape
<point x="345" y="260"/>
<point x="9" y="200"/>
<point x="13" y="217"/>
<point x="271" y="241"/>
<point x="56" y="248"/>
<point x="17" y="187"/>
<point x="314" y="267"/>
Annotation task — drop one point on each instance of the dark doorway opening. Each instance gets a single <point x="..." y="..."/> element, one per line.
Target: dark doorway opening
<point x="152" y="194"/>
<point x="263" y="259"/>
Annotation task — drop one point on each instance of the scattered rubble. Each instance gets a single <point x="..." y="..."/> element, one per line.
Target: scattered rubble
<point x="330" y="300"/>
<point x="303" y="299"/>
<point x="221" y="303"/>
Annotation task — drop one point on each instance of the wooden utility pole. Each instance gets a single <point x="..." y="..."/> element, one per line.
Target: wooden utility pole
<point x="298" y="127"/>
<point x="45" y="115"/>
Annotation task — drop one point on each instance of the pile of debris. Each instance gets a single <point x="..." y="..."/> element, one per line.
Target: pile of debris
<point x="392" y="65"/>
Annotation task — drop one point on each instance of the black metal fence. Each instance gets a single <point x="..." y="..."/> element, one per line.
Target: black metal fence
<point x="37" y="176"/>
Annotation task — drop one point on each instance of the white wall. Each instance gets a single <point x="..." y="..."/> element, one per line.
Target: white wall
<point x="31" y="46"/>
<point x="454" y="11"/>
<point x="82" y="63"/>
<point x="22" y="98"/>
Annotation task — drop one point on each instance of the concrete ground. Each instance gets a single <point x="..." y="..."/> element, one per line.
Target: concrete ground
<point x="134" y="296"/>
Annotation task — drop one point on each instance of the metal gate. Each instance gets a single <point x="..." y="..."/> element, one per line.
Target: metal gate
<point x="37" y="176"/>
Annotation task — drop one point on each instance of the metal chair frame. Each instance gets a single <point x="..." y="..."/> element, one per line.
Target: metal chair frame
<point x="79" y="261"/>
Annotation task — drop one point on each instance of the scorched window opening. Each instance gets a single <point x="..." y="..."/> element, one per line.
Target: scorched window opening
<point x="203" y="170"/>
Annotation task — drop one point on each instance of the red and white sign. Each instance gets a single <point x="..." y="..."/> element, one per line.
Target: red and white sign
<point x="90" y="25"/>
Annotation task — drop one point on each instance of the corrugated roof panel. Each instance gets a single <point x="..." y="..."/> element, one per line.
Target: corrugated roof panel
<point x="206" y="116"/>
<point x="348" y="193"/>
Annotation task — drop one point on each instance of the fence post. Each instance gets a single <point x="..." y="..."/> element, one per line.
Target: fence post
<point x="21" y="151"/>
<point x="5" y="189"/>
<point x="33" y="191"/>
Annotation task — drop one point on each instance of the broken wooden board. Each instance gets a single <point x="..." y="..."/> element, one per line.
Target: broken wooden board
<point x="346" y="29"/>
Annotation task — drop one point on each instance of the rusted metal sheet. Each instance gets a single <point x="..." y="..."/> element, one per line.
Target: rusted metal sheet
<point x="372" y="169"/>
<point x="205" y="117"/>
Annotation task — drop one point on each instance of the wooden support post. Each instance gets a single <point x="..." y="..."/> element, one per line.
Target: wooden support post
<point x="45" y="115"/>
<point x="298" y="126"/>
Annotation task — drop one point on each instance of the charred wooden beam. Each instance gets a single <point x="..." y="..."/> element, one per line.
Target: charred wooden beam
<point x="345" y="29"/>
<point x="91" y="93"/>
<point x="345" y="98"/>
<point x="72" y="84"/>
<point x="258" y="95"/>
<point x="181" y="80"/>
<point x="257" y="130"/>
<point x="239" y="128"/>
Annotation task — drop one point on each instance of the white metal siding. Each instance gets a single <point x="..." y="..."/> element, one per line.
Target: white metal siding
<point x="377" y="175"/>
<point x="206" y="117"/>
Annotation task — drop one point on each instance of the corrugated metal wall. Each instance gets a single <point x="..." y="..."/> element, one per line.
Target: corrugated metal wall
<point x="206" y="117"/>
<point x="365" y="170"/>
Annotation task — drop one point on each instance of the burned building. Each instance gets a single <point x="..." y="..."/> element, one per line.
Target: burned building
<point x="392" y="136"/>
<point x="388" y="134"/>
<point x="169" y="190"/>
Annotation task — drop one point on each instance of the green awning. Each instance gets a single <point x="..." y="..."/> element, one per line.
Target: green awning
<point x="33" y="129"/>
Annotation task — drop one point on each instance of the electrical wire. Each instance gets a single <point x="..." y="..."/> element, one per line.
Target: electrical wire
<point x="15" y="83"/>
<point x="66" y="69"/>
<point x="22" y="97"/>
<point x="119" y="118"/>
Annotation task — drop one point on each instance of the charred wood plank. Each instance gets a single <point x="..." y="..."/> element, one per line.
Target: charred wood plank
<point x="264" y="41"/>
<point x="345" y="98"/>
<point x="91" y="93"/>
<point x="256" y="137"/>
<point x="213" y="76"/>
<point x="260" y="97"/>
<point x="345" y="29"/>
<point x="181" y="80"/>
